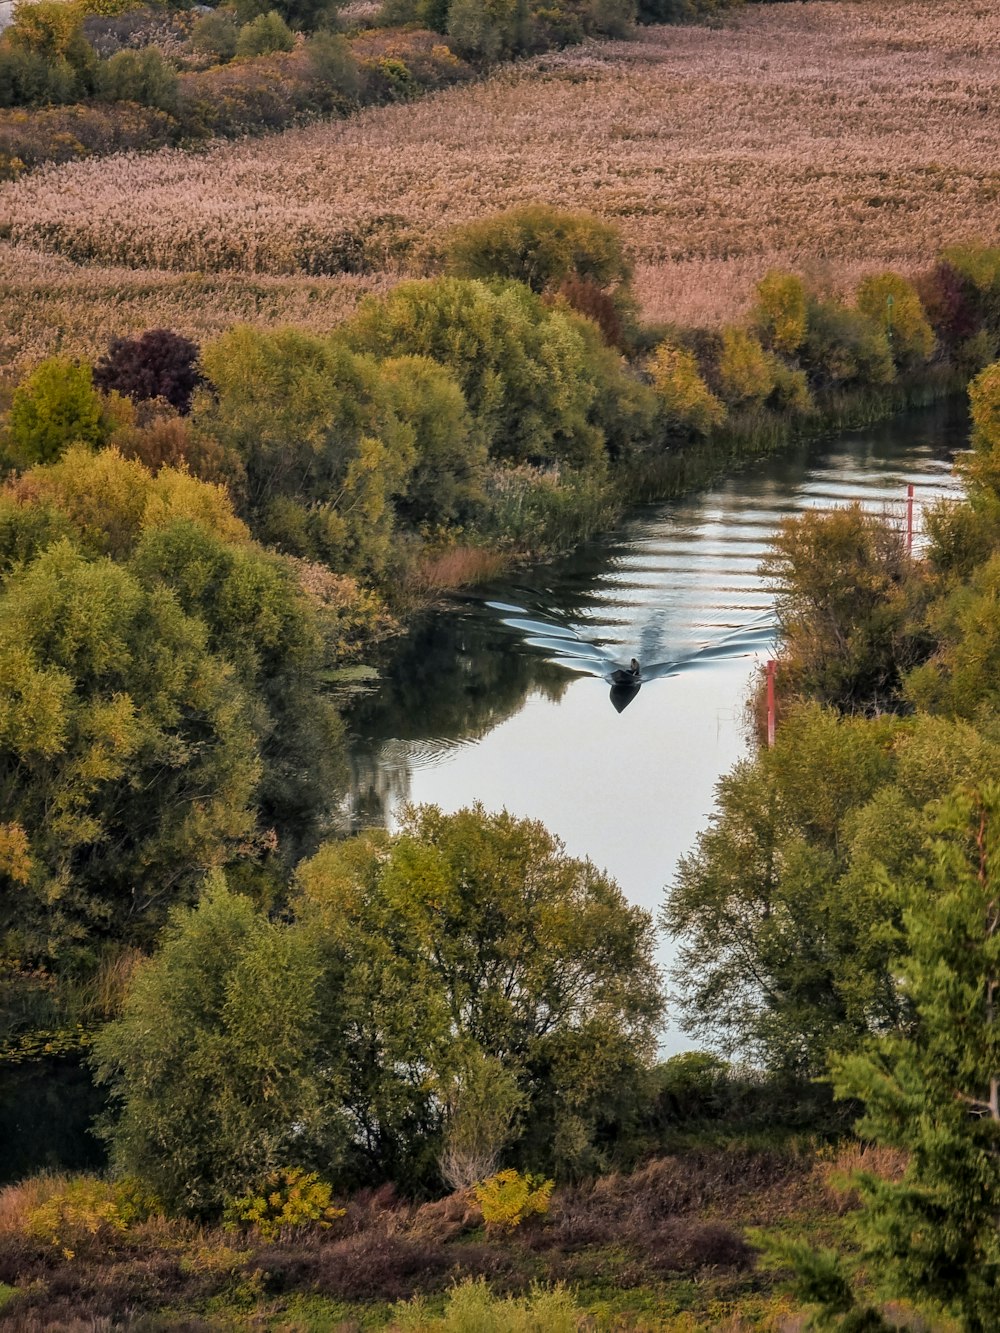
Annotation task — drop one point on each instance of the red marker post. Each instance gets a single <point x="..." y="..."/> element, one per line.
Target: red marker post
<point x="770" y="703"/>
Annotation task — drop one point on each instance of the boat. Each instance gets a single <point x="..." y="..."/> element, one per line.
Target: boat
<point x="628" y="677"/>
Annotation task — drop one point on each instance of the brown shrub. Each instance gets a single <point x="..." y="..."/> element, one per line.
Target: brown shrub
<point x="447" y="1218"/>
<point x="161" y="439"/>
<point x="683" y="1245"/>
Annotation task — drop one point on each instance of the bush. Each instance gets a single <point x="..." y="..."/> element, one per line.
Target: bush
<point x="746" y="373"/>
<point x="267" y="33"/>
<point x="289" y="1197"/>
<point x="781" y="313"/>
<point x="891" y="302"/>
<point x="89" y="1210"/>
<point x="485" y="30"/>
<point x="541" y="247"/>
<point x="139" y="76"/>
<point x="157" y="364"/>
<point x="333" y="61"/>
<point x="844" y="348"/>
<point x="509" y="1198"/>
<point x="686" y="402"/>
<point x="55" y="406"/>
<point x="472" y="1306"/>
<point x="215" y="34"/>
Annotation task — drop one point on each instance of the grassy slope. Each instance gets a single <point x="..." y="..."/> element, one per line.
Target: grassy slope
<point x="664" y="1249"/>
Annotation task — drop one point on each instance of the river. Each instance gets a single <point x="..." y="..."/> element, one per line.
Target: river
<point x="499" y="698"/>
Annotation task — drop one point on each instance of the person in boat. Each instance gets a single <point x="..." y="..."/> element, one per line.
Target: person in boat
<point x="621" y="676"/>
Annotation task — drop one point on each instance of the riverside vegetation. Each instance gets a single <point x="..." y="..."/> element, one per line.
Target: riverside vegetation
<point x="283" y="1025"/>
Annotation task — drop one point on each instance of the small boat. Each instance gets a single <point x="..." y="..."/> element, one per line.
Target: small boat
<point x="627" y="677"/>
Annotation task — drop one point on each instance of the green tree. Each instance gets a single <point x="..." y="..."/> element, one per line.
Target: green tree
<point x="179" y="549"/>
<point x="446" y="484"/>
<point x="214" y="34"/>
<point x="523" y="367"/>
<point x="849" y="605"/>
<point x="323" y="450"/>
<point x="782" y="951"/>
<point x="139" y="76"/>
<point x="844" y="348"/>
<point x="539" y="246"/>
<point x="126" y="756"/>
<point x="57" y="405"/>
<point x="476" y="931"/>
<point x="934" y="1090"/>
<point x="213" y="1063"/>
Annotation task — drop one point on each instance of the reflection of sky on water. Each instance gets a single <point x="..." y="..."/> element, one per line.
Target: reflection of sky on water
<point x="477" y="709"/>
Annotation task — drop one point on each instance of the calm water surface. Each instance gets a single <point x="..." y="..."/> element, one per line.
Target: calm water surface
<point x="500" y="698"/>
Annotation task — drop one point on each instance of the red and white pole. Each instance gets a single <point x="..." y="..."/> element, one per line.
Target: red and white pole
<point x="770" y="702"/>
<point x="909" y="519"/>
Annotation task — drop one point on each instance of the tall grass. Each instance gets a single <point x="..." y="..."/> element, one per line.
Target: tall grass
<point x="830" y="137"/>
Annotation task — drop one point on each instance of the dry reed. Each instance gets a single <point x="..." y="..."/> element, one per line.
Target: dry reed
<point x="836" y="137"/>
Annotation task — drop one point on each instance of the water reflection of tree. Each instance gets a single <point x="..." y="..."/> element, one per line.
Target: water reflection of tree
<point x="452" y="680"/>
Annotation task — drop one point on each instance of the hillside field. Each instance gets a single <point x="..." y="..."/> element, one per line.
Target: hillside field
<point x="828" y="137"/>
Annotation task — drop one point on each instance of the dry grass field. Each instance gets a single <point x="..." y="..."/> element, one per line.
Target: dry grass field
<point x="833" y="136"/>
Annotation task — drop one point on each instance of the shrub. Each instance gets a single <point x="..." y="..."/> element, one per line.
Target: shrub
<point x="215" y="34"/>
<point x="55" y="406"/>
<point x="472" y="1306"/>
<point x="266" y="33"/>
<point x="686" y="401"/>
<point x="541" y="247"/>
<point x="157" y="364"/>
<point x="892" y="303"/>
<point x="289" y="1197"/>
<point x="746" y="373"/>
<point x="484" y="30"/>
<point x="843" y="347"/>
<point x="333" y="61"/>
<point x="89" y="1210"/>
<point x="509" y="1198"/>
<point x="139" y="76"/>
<point x="781" y="312"/>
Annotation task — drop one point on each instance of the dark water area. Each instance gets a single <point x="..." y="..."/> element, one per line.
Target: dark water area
<point x="505" y="697"/>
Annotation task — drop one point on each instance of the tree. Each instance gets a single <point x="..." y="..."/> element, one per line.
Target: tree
<point x="157" y="364"/>
<point x="139" y="76"/>
<point x="323" y="451"/>
<point x="238" y="620"/>
<point x="934" y="1090"/>
<point x="843" y="347"/>
<point x="891" y="301"/>
<point x="848" y="603"/>
<point x="482" y="1102"/>
<point x="264" y="34"/>
<point x="540" y="246"/>
<point x="474" y="933"/>
<point x="781" y="312"/>
<point x="56" y="406"/>
<point x="126" y="756"/>
<point x="687" y="404"/>
<point x="446" y="484"/>
<point x="523" y="367"/>
<point x="213" y="1063"/>
<point x="782" y="950"/>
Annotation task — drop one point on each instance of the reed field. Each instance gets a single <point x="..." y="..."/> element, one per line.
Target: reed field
<point x="830" y="137"/>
